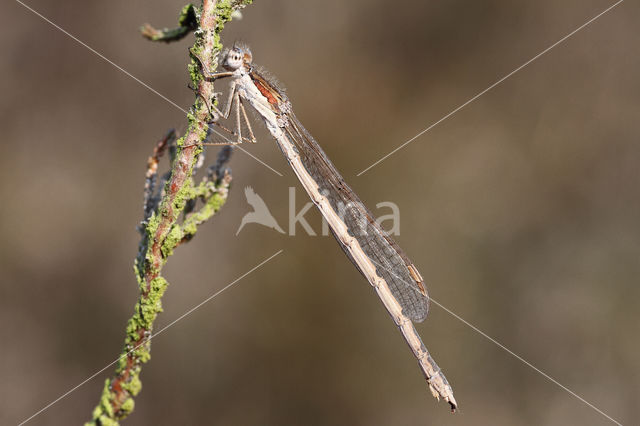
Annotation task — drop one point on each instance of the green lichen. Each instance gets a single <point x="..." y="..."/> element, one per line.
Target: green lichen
<point x="122" y="363"/>
<point x="126" y="407"/>
<point x="187" y="22"/>
<point x="194" y="73"/>
<point x="187" y="17"/>
<point x="105" y="401"/>
<point x="171" y="241"/>
<point x="158" y="286"/>
<point x="134" y="386"/>
<point x="211" y="207"/>
<point x="104" y="411"/>
<point x="143" y="353"/>
<point x="102" y="421"/>
<point x="196" y="126"/>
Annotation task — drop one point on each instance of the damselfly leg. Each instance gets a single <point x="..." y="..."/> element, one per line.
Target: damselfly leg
<point x="246" y="120"/>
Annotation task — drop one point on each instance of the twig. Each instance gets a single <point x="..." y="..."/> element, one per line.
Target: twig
<point x="162" y="232"/>
<point x="151" y="196"/>
<point x="187" y="22"/>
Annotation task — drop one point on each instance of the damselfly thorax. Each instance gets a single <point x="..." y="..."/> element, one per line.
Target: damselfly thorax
<point x="374" y="253"/>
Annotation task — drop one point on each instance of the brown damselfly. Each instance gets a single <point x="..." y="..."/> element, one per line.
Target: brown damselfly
<point x="393" y="276"/>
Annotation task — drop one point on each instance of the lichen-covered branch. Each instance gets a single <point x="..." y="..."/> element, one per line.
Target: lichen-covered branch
<point x="171" y="212"/>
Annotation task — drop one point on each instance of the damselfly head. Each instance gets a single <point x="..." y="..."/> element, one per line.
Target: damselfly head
<point x="239" y="55"/>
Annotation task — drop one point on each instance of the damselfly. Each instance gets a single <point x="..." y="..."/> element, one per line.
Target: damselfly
<point x="393" y="276"/>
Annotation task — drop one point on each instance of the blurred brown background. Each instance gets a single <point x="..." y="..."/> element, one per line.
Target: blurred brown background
<point x="521" y="211"/>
